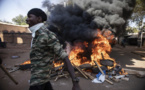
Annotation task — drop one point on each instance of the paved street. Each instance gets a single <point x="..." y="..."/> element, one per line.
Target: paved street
<point x="124" y="56"/>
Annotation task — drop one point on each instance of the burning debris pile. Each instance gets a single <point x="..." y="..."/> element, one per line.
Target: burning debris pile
<point x="90" y="26"/>
<point x="93" y="57"/>
<point x="90" y="58"/>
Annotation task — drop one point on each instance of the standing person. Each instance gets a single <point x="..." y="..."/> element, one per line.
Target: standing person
<point x="44" y="47"/>
<point x="123" y="42"/>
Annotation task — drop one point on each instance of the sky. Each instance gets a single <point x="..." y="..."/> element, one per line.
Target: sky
<point x="9" y="9"/>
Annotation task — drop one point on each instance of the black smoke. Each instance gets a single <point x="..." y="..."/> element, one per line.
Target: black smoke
<point x="82" y="19"/>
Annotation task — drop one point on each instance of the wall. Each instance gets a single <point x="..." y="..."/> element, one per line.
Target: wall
<point x="10" y="29"/>
<point x="4" y="27"/>
<point x="17" y="38"/>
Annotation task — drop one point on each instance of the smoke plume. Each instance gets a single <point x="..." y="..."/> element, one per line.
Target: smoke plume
<point x="82" y="19"/>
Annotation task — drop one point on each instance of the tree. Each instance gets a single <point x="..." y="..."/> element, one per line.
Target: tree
<point x="20" y="20"/>
<point x="131" y="30"/>
<point x="139" y="13"/>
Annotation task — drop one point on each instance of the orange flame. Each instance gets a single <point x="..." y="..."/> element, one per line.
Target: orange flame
<point x="26" y="62"/>
<point x="123" y="72"/>
<point x="73" y="56"/>
<point x="99" y="45"/>
<point x="109" y="36"/>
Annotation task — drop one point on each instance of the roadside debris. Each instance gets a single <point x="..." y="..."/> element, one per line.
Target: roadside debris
<point x="15" y="57"/>
<point x="115" y="74"/>
<point x="99" y="72"/>
<point x="7" y="73"/>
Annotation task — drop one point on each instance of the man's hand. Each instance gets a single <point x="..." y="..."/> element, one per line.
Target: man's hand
<point x="76" y="86"/>
<point x="72" y="74"/>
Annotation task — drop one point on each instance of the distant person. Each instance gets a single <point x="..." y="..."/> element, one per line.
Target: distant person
<point x="44" y="47"/>
<point x="139" y="39"/>
<point x="123" y="42"/>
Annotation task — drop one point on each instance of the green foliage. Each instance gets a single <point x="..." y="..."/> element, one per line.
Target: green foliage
<point x="131" y="30"/>
<point x="139" y="12"/>
<point x="20" y="20"/>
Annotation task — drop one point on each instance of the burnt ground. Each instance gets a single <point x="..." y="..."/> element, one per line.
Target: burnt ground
<point x="130" y="57"/>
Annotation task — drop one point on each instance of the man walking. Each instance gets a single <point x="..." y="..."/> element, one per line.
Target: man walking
<point x="44" y="47"/>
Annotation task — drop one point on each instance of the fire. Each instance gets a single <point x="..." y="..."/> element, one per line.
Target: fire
<point x="87" y="53"/>
<point x="109" y="35"/>
<point x="57" y="64"/>
<point x="26" y="62"/>
<point x="76" y="54"/>
<point x="81" y="51"/>
<point x="101" y="47"/>
<point x="123" y="72"/>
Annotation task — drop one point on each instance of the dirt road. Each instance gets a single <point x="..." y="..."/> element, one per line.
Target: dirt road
<point x="124" y="56"/>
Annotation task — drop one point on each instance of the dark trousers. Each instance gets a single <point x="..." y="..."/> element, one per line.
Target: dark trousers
<point x="45" y="86"/>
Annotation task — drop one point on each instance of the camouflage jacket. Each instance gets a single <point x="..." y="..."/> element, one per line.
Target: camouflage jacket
<point x="44" y="47"/>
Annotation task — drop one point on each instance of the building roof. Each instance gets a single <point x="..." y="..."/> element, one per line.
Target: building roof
<point x="13" y="24"/>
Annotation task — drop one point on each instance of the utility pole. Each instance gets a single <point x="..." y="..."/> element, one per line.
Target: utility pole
<point x="140" y="38"/>
<point x="73" y="2"/>
<point x="64" y="3"/>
